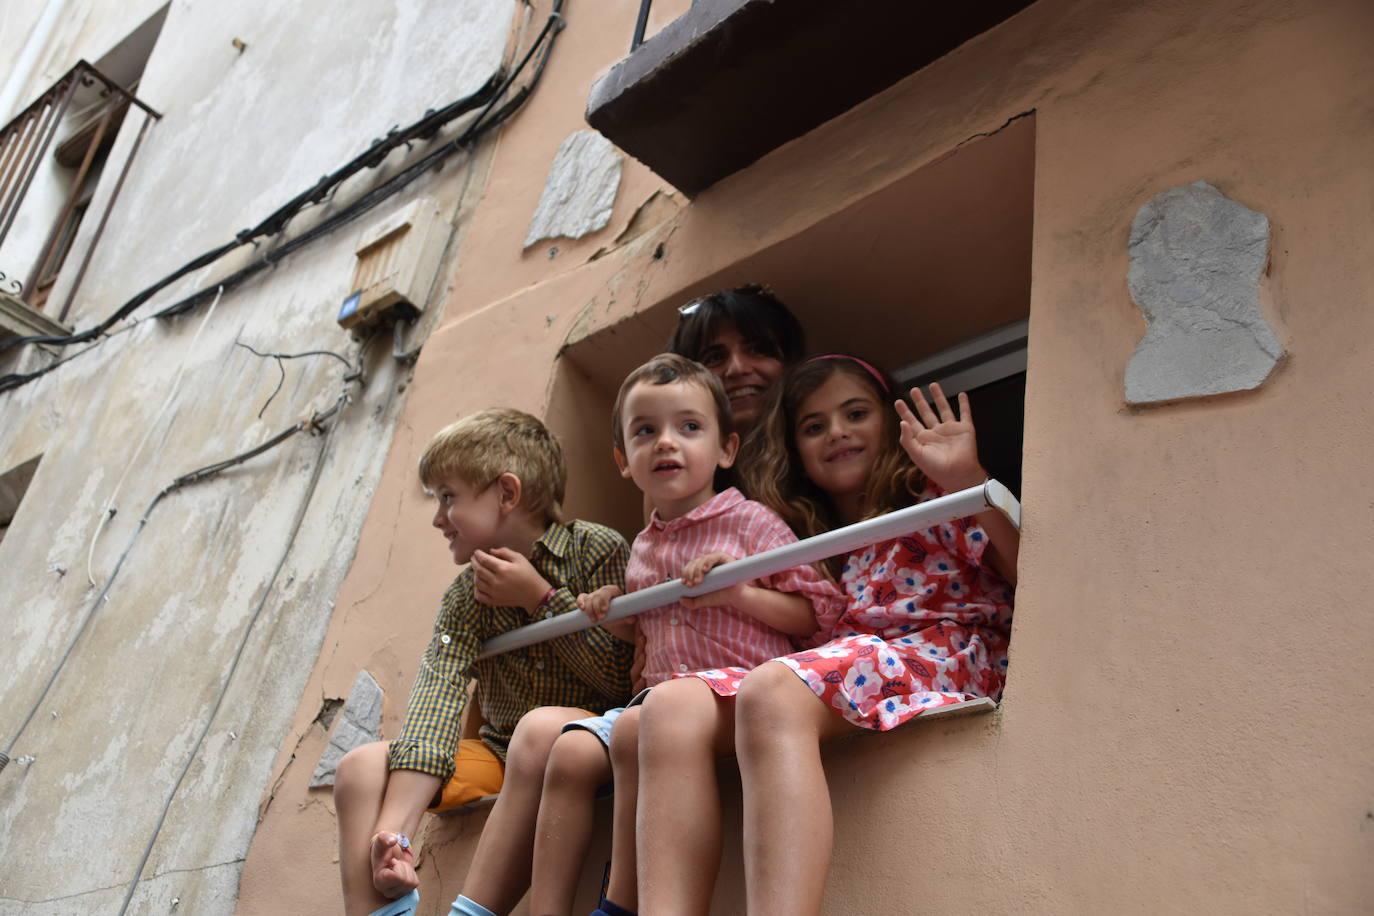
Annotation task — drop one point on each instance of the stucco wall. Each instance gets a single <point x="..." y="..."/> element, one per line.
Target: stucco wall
<point x="1186" y="725"/>
<point x="241" y="133"/>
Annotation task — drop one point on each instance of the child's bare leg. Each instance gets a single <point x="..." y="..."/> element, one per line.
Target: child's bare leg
<point x="500" y="869"/>
<point x="788" y="826"/>
<point x="684" y="728"/>
<point x="578" y="766"/>
<point x="623" y="888"/>
<point x="369" y="797"/>
<point x="359" y="785"/>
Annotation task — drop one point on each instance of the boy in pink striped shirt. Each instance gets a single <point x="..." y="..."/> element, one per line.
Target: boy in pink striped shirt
<point x="672" y="430"/>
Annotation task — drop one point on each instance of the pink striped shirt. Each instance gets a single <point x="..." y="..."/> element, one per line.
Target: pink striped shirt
<point x="678" y="640"/>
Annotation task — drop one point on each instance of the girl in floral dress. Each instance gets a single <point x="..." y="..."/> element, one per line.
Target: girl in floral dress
<point x="925" y="625"/>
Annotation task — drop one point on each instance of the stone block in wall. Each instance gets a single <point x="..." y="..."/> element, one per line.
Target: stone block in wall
<point x="580" y="190"/>
<point x="359" y="722"/>
<point x="1196" y="259"/>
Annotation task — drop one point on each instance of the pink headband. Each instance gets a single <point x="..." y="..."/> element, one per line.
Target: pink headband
<point x="877" y="376"/>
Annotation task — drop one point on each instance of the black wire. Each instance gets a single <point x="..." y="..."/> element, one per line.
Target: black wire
<point x="234" y="661"/>
<point x="355" y="374"/>
<point x="294" y="355"/>
<point x="186" y="479"/>
<point x="274" y="223"/>
<point x="279" y="357"/>
<point x="386" y="189"/>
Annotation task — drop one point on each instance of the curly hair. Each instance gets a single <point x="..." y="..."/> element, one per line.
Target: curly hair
<point x="771" y="468"/>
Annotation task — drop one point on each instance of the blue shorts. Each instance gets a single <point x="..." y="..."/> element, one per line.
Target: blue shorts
<point x="598" y="725"/>
<point x="601" y="727"/>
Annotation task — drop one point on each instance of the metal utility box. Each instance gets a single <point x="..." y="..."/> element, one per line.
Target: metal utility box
<point x="397" y="260"/>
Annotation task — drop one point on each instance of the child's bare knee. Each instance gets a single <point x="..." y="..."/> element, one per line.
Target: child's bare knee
<point x="774" y="705"/>
<point x="578" y="758"/>
<point x="678" y="716"/>
<point x="534" y="738"/>
<point x="759" y="693"/>
<point x="361" y="767"/>
<point x="625" y="740"/>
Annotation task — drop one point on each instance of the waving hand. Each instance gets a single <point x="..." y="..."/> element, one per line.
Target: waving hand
<point x="941" y="442"/>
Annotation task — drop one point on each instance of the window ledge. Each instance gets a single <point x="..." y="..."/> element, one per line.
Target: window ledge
<point x="17" y="319"/>
<point x="968" y="707"/>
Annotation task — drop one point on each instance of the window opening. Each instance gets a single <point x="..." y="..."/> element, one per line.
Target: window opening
<point x="928" y="277"/>
<point x="14" y="483"/>
<point x="991" y="369"/>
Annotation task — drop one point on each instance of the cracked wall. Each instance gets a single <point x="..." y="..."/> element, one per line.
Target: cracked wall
<point x="243" y="131"/>
<point x="1159" y="701"/>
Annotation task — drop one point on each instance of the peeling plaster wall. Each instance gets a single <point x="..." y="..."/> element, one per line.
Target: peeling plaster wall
<point x="1187" y="724"/>
<point x="241" y="134"/>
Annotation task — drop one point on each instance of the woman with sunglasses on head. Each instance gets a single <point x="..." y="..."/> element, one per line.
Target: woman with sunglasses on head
<point x="745" y="337"/>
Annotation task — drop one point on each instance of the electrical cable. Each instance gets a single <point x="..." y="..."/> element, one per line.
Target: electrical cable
<point x="277" y="219"/>
<point x="108" y="512"/>
<point x="488" y="96"/>
<point x="281" y="380"/>
<point x="236" y="658"/>
<point x="386" y="189"/>
<point x="199" y="474"/>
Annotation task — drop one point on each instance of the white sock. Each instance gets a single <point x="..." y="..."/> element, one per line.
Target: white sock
<point x="465" y="907"/>
<point x="401" y="906"/>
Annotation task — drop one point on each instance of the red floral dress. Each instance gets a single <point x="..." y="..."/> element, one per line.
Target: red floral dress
<point x="925" y="626"/>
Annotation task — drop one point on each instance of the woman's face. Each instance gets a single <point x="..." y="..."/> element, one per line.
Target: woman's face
<point x="745" y="370"/>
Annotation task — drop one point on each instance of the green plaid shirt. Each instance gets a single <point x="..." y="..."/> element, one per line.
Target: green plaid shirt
<point x="589" y="669"/>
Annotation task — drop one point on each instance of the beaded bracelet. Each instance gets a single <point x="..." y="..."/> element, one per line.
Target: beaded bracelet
<point x="402" y="841"/>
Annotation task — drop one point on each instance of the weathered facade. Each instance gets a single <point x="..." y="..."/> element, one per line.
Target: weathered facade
<point x="1186" y="724"/>
<point x="204" y="622"/>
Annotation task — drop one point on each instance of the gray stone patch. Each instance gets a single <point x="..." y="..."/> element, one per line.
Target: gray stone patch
<point x="358" y="723"/>
<point x="1196" y="258"/>
<point x="580" y="189"/>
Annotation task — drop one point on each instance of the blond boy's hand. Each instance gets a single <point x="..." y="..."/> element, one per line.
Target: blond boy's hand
<point x="505" y="578"/>
<point x="393" y="865"/>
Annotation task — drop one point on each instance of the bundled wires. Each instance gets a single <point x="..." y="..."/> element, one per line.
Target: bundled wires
<point x="489" y="117"/>
<point x="492" y="111"/>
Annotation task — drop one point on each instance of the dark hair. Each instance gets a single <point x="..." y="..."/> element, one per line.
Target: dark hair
<point x="772" y="470"/>
<point x="754" y="311"/>
<point x="665" y="369"/>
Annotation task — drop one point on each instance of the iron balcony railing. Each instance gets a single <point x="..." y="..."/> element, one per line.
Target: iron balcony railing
<point x="24" y="145"/>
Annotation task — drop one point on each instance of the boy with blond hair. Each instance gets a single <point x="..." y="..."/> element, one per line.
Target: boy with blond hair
<point x="498" y="477"/>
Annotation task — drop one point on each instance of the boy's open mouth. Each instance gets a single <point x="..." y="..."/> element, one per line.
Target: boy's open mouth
<point x="667" y="466"/>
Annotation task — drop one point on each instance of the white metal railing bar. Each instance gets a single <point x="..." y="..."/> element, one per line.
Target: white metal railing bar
<point x="990" y="494"/>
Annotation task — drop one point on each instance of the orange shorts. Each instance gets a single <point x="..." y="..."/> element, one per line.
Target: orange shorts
<point x="476" y="772"/>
